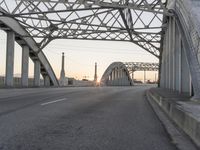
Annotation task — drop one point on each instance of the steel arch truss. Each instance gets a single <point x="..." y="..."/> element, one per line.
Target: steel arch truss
<point x="116" y="74"/>
<point x="141" y="66"/>
<point x="137" y="21"/>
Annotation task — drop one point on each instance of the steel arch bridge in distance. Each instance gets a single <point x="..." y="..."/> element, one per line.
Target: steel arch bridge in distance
<point x="119" y="73"/>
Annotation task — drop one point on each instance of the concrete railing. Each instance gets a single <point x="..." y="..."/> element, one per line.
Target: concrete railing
<point x="17" y="82"/>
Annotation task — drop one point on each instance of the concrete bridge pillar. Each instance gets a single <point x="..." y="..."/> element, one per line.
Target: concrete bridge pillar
<point x="167" y="59"/>
<point x="127" y="79"/>
<point x="123" y="75"/>
<point x="25" y="66"/>
<point x="46" y="81"/>
<point x="175" y="72"/>
<point x="115" y="76"/>
<point x="163" y="68"/>
<point x="178" y="65"/>
<point x="171" y="53"/>
<point x="120" y="77"/>
<point x="124" y="78"/>
<point x="185" y="73"/>
<point x="10" y="58"/>
<point x="110" y="79"/>
<point x="37" y="68"/>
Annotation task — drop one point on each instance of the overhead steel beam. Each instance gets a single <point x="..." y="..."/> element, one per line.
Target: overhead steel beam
<point x="118" y="20"/>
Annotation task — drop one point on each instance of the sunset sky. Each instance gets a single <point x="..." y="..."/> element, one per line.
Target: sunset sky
<point x="81" y="56"/>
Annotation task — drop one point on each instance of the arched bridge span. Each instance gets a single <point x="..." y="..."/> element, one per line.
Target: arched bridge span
<point x="116" y="75"/>
<point x="34" y="24"/>
<point x="119" y="73"/>
<point x="15" y="32"/>
<point x="169" y="30"/>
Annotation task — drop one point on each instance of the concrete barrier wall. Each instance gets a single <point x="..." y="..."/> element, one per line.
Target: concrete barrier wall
<point x="183" y="112"/>
<point x="17" y="82"/>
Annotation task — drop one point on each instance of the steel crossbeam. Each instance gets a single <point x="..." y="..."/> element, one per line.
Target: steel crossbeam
<point x="141" y="66"/>
<point x="136" y="21"/>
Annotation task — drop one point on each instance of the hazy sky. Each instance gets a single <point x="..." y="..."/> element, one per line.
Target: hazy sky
<point x="81" y="56"/>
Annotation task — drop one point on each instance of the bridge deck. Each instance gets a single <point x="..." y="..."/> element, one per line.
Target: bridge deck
<point x="107" y="118"/>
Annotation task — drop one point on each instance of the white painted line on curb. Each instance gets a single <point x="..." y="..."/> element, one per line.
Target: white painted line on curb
<point x="51" y="102"/>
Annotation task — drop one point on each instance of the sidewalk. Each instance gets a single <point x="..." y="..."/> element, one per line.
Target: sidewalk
<point x="184" y="112"/>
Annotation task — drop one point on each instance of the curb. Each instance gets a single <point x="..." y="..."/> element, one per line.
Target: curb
<point x="172" y="112"/>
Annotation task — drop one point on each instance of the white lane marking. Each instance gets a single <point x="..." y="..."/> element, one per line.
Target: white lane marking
<point x="51" y="102"/>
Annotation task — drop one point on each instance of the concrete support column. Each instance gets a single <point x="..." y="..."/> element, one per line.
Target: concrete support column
<point x="115" y="73"/>
<point x="163" y="71"/>
<point x="115" y="76"/>
<point x="25" y="66"/>
<point x="173" y="54"/>
<point x="127" y="79"/>
<point x="110" y="79"/>
<point x="121" y="77"/>
<point x="178" y="61"/>
<point x="185" y="73"/>
<point x="168" y="55"/>
<point x="37" y="68"/>
<point x="117" y="81"/>
<point x="190" y="50"/>
<point x="46" y="81"/>
<point x="10" y="58"/>
<point x="163" y="68"/>
<point x="167" y="60"/>
<point x="118" y="75"/>
<point x="124" y="78"/>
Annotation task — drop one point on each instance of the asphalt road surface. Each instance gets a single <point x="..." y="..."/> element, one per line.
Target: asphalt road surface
<point x="101" y="118"/>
